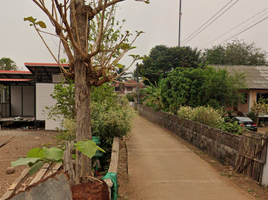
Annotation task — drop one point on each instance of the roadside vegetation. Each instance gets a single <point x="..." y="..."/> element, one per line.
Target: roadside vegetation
<point x="184" y="82"/>
<point x="111" y="114"/>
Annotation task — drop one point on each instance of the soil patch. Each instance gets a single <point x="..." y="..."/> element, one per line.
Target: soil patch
<point x="18" y="147"/>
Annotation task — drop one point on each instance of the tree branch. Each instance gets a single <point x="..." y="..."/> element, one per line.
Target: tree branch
<point x="100" y="32"/>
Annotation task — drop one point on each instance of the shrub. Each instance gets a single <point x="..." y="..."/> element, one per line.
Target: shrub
<point x="232" y="126"/>
<point x="185" y="112"/>
<point x="113" y="121"/>
<point x="110" y="115"/>
<point x="204" y="115"/>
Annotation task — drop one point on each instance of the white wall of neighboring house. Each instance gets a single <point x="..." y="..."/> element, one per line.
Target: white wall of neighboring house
<point x="53" y="123"/>
<point x="43" y="99"/>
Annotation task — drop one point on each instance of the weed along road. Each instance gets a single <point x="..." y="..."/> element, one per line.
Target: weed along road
<point x="160" y="167"/>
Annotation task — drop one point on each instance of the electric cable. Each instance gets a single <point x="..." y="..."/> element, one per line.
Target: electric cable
<point x="210" y="23"/>
<point x="237" y="26"/>
<point x="244" y="30"/>
<point x="208" y="20"/>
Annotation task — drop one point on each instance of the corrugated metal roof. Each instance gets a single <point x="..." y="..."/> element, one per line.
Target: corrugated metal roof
<point x="131" y="83"/>
<point x="45" y="64"/>
<point x="256" y="76"/>
<point x="14" y="80"/>
<point x="14" y="72"/>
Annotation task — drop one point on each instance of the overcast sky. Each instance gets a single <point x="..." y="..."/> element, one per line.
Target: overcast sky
<point x="159" y="21"/>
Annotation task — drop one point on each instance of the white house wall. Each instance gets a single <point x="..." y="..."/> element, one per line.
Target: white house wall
<point x="43" y="99"/>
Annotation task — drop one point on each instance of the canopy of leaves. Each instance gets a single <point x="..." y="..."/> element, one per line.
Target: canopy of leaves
<point x="202" y="87"/>
<point x="163" y="59"/>
<point x="236" y="53"/>
<point x="7" y="64"/>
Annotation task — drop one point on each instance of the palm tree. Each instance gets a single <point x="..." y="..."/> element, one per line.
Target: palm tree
<point x="124" y="76"/>
<point x="7" y="64"/>
<point x="155" y="94"/>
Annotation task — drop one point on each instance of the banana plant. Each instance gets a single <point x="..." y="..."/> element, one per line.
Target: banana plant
<point x="36" y="157"/>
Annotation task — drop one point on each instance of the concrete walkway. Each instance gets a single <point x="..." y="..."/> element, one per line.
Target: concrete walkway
<point x="162" y="168"/>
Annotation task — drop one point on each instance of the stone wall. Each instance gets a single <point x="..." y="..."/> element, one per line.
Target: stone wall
<point x="221" y="145"/>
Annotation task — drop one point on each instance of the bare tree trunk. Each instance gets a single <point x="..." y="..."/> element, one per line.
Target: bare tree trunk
<point x="83" y="119"/>
<point x="82" y="89"/>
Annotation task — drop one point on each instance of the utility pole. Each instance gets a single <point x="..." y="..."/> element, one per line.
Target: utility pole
<point x="138" y="92"/>
<point x="179" y="42"/>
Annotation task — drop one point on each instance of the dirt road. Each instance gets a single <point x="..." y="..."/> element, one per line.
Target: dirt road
<point x="160" y="167"/>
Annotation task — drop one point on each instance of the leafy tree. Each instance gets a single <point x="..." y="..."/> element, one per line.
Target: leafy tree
<point x="202" y="87"/>
<point x="236" y="53"/>
<point x="260" y="108"/>
<point x="163" y="59"/>
<point x="7" y="64"/>
<point x="72" y="20"/>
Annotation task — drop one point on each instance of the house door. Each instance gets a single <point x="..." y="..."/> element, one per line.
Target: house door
<point x="22" y="101"/>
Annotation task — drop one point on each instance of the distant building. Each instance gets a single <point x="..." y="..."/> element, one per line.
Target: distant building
<point x="129" y="87"/>
<point x="256" y="84"/>
<point x="27" y="93"/>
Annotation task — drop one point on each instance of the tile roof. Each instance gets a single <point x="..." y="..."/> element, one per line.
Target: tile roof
<point x="131" y="83"/>
<point x="256" y="76"/>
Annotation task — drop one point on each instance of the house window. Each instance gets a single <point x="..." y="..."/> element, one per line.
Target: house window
<point x="129" y="89"/>
<point x="245" y="95"/>
<point x="116" y="89"/>
<point x="262" y="95"/>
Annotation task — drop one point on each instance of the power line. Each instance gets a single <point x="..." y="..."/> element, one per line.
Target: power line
<point x="237" y="26"/>
<point x="244" y="30"/>
<point x="210" y="23"/>
<point x="207" y="21"/>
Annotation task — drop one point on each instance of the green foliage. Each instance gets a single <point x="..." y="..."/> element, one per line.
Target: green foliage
<point x="7" y="64"/>
<point x="252" y="116"/>
<point x="130" y="97"/>
<point x="236" y="53"/>
<point x="231" y="126"/>
<point x="35" y="23"/>
<point x="154" y="95"/>
<point x="163" y="59"/>
<point x="64" y="95"/>
<point x="260" y="108"/>
<point x="110" y="115"/>
<point x="110" y="121"/>
<point x="202" y="87"/>
<point x="36" y="157"/>
<point x="185" y="112"/>
<point x="204" y="115"/>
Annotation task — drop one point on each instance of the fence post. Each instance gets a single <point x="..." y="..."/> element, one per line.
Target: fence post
<point x="264" y="178"/>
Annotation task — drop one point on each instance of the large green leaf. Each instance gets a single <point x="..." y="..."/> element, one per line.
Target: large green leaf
<point x="36" y="167"/>
<point x="36" y="153"/>
<point x="53" y="153"/>
<point x="24" y="161"/>
<point x="88" y="148"/>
